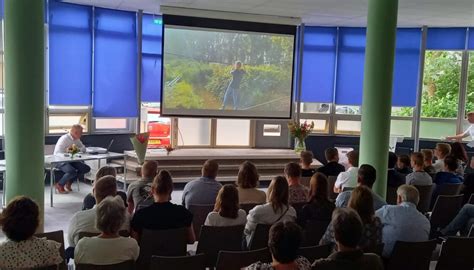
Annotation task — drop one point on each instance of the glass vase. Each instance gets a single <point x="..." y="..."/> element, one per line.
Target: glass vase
<point x="300" y="145"/>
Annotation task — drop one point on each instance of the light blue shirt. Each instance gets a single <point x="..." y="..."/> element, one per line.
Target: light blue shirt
<point x="201" y="191"/>
<point x="342" y="199"/>
<point x="402" y="222"/>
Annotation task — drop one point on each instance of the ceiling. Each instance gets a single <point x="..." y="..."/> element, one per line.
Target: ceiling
<point x="443" y="13"/>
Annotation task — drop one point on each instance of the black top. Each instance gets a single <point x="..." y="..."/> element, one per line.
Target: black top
<point x="161" y="216"/>
<point x="395" y="179"/>
<point x="405" y="171"/>
<point x="307" y="172"/>
<point x="237" y="75"/>
<point x="355" y="260"/>
<point x="331" y="169"/>
<point x="316" y="210"/>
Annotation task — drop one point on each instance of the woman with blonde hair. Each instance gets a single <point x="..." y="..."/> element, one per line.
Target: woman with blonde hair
<point x="276" y="209"/>
<point x="363" y="203"/>
<point x="247" y="182"/>
<point x="227" y="211"/>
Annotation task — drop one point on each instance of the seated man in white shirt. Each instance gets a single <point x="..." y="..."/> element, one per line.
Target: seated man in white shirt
<point x="84" y="221"/>
<point x="349" y="177"/>
<point x="72" y="170"/>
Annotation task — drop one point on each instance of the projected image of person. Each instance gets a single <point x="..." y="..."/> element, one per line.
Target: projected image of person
<point x="233" y="90"/>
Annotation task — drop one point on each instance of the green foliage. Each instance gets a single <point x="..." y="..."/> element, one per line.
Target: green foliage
<point x="182" y="96"/>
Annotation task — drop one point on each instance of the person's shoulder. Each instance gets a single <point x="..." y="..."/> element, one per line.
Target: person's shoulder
<point x="372" y="261"/>
<point x="259" y="266"/>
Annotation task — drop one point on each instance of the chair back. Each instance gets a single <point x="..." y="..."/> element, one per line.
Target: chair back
<point x="471" y="231"/>
<point x="391" y="195"/>
<point x="471" y="199"/>
<point x="57" y="236"/>
<point x="315" y="252"/>
<point x="444" y="210"/>
<point x="215" y="239"/>
<point x="426" y="193"/>
<point x="200" y="212"/>
<point x="298" y="206"/>
<point x="449" y="189"/>
<point x="313" y="232"/>
<point x="411" y="255"/>
<point x="248" y="206"/>
<point x="260" y="237"/>
<point x="331" y="183"/>
<point x="235" y="260"/>
<point x="305" y="181"/>
<point x="163" y="243"/>
<point x="128" y="265"/>
<point x="196" y="262"/>
<point x="456" y="253"/>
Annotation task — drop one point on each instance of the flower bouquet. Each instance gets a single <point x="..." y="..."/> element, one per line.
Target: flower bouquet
<point x="140" y="144"/>
<point x="300" y="131"/>
<point x="73" y="150"/>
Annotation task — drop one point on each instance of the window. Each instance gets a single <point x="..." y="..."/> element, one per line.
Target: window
<point x="194" y="132"/>
<point x="61" y="123"/>
<point x="470" y="86"/>
<point x="110" y="123"/>
<point x="310" y="107"/>
<point x="159" y="127"/>
<point x="440" y="96"/>
<point x="320" y="126"/>
<point x="347" y="127"/>
<point x="232" y="132"/>
<point x="352" y="110"/>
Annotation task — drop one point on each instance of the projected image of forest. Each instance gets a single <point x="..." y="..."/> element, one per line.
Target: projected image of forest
<point x="227" y="71"/>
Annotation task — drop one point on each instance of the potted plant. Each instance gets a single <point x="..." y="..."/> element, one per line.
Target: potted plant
<point x="300" y="131"/>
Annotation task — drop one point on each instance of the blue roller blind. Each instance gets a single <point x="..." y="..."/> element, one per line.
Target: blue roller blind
<point x="350" y="66"/>
<point x="407" y="62"/>
<point x="470" y="44"/>
<point x="115" y="91"/>
<point x="151" y="59"/>
<point x="446" y="39"/>
<point x="70" y="54"/>
<point x="319" y="56"/>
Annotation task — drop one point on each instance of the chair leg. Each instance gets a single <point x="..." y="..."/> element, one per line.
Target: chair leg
<point x="78" y="186"/>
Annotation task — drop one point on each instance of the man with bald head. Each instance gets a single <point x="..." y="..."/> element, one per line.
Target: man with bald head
<point x="72" y="170"/>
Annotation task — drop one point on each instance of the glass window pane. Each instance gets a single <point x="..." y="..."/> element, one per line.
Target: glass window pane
<point x="348" y="127"/>
<point x="437" y="128"/>
<point x="342" y="109"/>
<point x="111" y="123"/>
<point x="402" y="111"/>
<point x="440" y="94"/>
<point x="233" y="132"/>
<point x="310" y="107"/>
<point x="194" y="131"/>
<point x="401" y="127"/>
<point x="63" y="123"/>
<point x="320" y="125"/>
<point x="470" y="83"/>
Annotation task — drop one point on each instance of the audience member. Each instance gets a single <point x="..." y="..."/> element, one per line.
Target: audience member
<point x="319" y="207"/>
<point x="394" y="178"/>
<point x="162" y="214"/>
<point x="72" y="170"/>
<point x="276" y="209"/>
<point x="428" y="161"/>
<point x="84" y="221"/>
<point x="227" y="211"/>
<point x="403" y="165"/>
<point x="298" y="192"/>
<point x="365" y="177"/>
<point x="204" y="189"/>
<point x="460" y="222"/>
<point x="458" y="151"/>
<point x="21" y="250"/>
<point x="139" y="192"/>
<point x="447" y="176"/>
<point x="306" y="158"/>
<point x="348" y="230"/>
<point x="361" y="201"/>
<point x="349" y="177"/>
<point x="109" y="247"/>
<point x="89" y="200"/>
<point x="403" y="222"/>
<point x="247" y="182"/>
<point x="284" y="241"/>
<point x="442" y="150"/>
<point x="419" y="177"/>
<point x="332" y="167"/>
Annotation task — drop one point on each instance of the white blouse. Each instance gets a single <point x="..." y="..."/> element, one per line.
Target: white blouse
<point x="30" y="253"/>
<point x="214" y="219"/>
<point x="106" y="251"/>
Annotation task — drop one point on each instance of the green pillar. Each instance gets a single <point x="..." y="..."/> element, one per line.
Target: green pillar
<point x="377" y="99"/>
<point x="24" y="98"/>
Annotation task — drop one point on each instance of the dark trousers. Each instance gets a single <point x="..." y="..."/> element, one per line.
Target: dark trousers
<point x="73" y="171"/>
